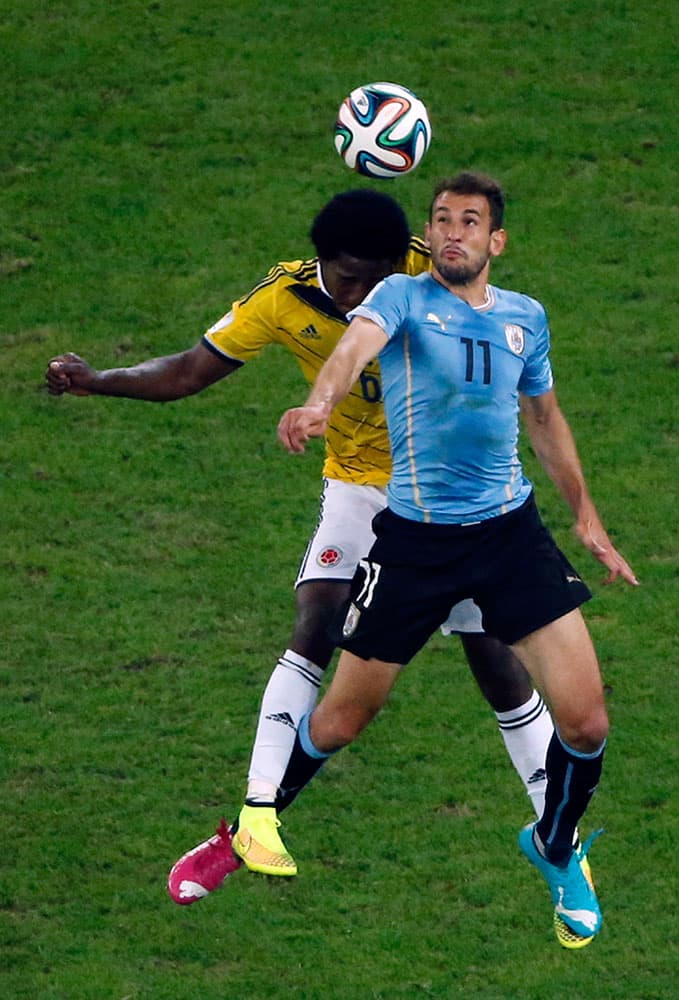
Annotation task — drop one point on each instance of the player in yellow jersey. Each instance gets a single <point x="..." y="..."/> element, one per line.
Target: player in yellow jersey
<point x="360" y="237"/>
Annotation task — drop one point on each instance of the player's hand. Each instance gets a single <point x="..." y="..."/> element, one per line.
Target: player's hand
<point x="592" y="535"/>
<point x="296" y="426"/>
<point x="69" y="373"/>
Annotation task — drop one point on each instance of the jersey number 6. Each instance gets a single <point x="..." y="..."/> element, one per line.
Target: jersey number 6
<point x="371" y="388"/>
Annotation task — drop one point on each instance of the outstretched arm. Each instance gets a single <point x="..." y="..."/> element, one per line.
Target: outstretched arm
<point x="157" y="380"/>
<point x="554" y="446"/>
<point x="361" y="342"/>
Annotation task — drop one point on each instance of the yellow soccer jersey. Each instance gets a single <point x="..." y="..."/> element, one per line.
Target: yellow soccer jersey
<point x="290" y="308"/>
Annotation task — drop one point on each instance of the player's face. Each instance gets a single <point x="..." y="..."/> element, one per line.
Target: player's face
<point x="349" y="279"/>
<point x="461" y="239"/>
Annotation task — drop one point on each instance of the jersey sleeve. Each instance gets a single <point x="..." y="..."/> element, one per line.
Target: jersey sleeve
<point x="537" y="377"/>
<point x="253" y="321"/>
<point x="387" y="304"/>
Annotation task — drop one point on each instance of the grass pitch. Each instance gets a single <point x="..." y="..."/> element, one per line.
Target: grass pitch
<point x="156" y="159"/>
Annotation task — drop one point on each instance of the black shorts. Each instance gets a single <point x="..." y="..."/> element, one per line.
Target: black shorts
<point x="414" y="573"/>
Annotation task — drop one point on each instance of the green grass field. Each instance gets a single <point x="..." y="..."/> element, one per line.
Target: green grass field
<point x="156" y="158"/>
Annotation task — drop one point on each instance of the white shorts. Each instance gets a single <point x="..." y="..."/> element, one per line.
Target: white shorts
<point x="344" y="532"/>
<point x="344" y="535"/>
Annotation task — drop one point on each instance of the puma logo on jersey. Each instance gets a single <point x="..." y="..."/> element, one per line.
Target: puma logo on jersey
<point x="433" y="318"/>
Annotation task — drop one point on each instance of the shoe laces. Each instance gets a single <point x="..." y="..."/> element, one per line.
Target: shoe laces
<point x="584" y="849"/>
<point x="223" y="830"/>
<point x="573" y="874"/>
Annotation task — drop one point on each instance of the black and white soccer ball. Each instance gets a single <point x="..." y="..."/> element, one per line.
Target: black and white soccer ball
<point x="382" y="130"/>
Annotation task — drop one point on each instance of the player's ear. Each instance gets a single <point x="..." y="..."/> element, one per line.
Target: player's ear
<point x="427" y="232"/>
<point x="498" y="241"/>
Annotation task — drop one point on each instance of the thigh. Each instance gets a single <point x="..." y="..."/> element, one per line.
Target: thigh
<point x="560" y="658"/>
<point x="344" y="532"/>
<point x="359" y="681"/>
<point x="356" y="694"/>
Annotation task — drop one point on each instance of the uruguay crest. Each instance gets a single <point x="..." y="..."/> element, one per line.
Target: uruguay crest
<point x="351" y="621"/>
<point x="516" y="338"/>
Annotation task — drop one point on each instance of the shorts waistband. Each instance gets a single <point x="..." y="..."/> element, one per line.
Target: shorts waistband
<point x="437" y="530"/>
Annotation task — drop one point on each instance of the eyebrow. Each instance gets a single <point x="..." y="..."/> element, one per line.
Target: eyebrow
<point x="465" y="211"/>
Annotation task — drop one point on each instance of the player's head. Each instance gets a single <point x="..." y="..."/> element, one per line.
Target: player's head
<point x="360" y="237"/>
<point x="366" y="224"/>
<point x="464" y="231"/>
<point x="470" y="183"/>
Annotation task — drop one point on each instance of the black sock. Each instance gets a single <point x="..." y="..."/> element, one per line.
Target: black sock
<point x="304" y="762"/>
<point x="572" y="779"/>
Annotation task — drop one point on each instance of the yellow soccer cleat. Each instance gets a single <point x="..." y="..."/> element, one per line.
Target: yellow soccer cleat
<point x="258" y="844"/>
<point x="568" y="938"/>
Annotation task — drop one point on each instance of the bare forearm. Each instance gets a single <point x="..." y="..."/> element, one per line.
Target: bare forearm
<point x="555" y="448"/>
<point x="156" y="380"/>
<point x="360" y="344"/>
<point x="335" y="378"/>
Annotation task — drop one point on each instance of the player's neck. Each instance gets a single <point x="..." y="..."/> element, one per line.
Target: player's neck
<point x="474" y="293"/>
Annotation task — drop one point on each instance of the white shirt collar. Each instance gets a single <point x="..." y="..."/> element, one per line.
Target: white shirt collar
<point x="319" y="275"/>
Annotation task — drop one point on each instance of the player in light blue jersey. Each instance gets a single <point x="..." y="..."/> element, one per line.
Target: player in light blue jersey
<point x="457" y="462"/>
<point x="459" y="358"/>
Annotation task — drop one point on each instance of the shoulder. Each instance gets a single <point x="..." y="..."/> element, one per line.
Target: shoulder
<point x="528" y="311"/>
<point x="298" y="270"/>
<point x="408" y="282"/>
<point x="286" y="273"/>
<point x="397" y="286"/>
<point x="391" y="300"/>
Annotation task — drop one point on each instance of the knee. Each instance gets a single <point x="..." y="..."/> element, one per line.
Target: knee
<point x="316" y="606"/>
<point x="336" y="729"/>
<point x="586" y="731"/>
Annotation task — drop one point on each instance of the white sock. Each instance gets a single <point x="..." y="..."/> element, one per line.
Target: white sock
<point x="290" y="694"/>
<point x="526" y="732"/>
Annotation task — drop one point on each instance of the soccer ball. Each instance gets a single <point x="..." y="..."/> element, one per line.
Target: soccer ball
<point x="382" y="130"/>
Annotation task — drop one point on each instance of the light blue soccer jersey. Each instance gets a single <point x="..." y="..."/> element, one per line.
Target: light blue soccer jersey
<point x="451" y="377"/>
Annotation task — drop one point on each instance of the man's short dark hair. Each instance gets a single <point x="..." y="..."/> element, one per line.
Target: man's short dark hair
<point x="366" y="224"/>
<point x="469" y="182"/>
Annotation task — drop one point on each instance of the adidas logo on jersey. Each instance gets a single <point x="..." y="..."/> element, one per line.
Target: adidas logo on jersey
<point x="310" y="332"/>
<point x="283" y="717"/>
